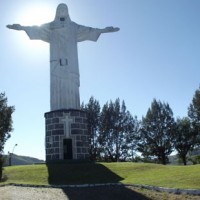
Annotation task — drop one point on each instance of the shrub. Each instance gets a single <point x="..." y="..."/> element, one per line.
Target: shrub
<point x="1" y="166"/>
<point x="195" y="159"/>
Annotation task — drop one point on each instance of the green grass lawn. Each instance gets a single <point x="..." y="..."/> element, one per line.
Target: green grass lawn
<point x="126" y="173"/>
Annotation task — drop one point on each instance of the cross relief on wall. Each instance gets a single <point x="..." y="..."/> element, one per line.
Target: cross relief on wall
<point x="67" y="120"/>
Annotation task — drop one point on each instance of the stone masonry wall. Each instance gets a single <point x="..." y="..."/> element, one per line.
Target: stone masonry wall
<point x="66" y="124"/>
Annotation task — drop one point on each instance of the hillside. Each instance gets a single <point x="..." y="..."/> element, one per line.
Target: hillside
<point x="21" y="160"/>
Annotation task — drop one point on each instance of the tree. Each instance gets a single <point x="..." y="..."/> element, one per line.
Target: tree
<point x="5" y="120"/>
<point x="185" y="138"/>
<point x="157" y="132"/>
<point x="5" y="125"/>
<point x="116" y="123"/>
<point x="132" y="139"/>
<point x="194" y="112"/>
<point x="93" y="113"/>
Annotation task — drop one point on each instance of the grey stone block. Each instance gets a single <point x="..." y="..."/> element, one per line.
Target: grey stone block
<point x="48" y="133"/>
<point x="75" y="125"/>
<point x="58" y="132"/>
<point x="77" y="132"/>
<point x="83" y="114"/>
<point x="75" y="113"/>
<point x="48" y="121"/>
<point x="59" y="126"/>
<point x="78" y="120"/>
<point x="50" y="127"/>
<point x="55" y="120"/>
<point x="79" y="144"/>
<point x="56" y="144"/>
<point x="56" y="138"/>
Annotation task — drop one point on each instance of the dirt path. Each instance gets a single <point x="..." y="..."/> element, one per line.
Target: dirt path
<point x="87" y="193"/>
<point x="28" y="193"/>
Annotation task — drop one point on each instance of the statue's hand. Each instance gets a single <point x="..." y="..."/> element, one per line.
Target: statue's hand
<point x="111" y="29"/>
<point x="15" y="27"/>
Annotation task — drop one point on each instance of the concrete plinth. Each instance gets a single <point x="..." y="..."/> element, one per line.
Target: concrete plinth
<point x="66" y="135"/>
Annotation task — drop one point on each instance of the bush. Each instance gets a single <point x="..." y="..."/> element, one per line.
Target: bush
<point x="1" y="166"/>
<point x="195" y="159"/>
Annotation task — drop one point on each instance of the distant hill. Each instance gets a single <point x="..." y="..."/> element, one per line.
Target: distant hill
<point x="21" y="160"/>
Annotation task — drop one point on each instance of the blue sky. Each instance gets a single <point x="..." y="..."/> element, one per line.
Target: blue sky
<point x="156" y="54"/>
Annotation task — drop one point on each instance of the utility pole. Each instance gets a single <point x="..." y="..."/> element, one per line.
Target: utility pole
<point x="10" y="155"/>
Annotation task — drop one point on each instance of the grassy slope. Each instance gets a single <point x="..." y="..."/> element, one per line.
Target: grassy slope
<point x="127" y="173"/>
<point x="159" y="175"/>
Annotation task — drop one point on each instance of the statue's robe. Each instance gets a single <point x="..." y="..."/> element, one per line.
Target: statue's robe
<point x="63" y="38"/>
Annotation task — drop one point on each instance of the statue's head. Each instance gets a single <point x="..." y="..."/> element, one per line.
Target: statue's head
<point x="62" y="13"/>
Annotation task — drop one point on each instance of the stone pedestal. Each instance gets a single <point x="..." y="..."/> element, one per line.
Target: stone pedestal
<point x="66" y="135"/>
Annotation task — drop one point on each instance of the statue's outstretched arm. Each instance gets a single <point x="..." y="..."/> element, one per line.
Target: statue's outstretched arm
<point x="109" y="29"/>
<point x="16" y="27"/>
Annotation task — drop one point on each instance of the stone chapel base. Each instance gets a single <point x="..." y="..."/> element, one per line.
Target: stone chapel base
<point x="66" y="135"/>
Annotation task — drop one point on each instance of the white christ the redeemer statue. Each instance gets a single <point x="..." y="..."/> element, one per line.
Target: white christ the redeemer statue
<point x="63" y="35"/>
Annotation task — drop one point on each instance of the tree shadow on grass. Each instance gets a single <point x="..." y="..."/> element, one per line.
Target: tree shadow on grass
<point x="78" y="173"/>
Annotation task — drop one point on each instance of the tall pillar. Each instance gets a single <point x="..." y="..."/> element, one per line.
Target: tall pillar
<point x="66" y="135"/>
